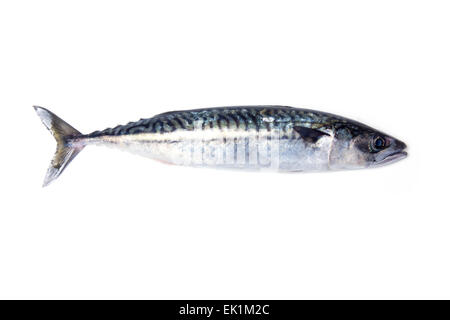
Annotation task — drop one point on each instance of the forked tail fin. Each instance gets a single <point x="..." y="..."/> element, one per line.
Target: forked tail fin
<point x="66" y="149"/>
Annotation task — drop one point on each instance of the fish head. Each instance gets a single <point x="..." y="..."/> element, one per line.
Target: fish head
<point x="357" y="146"/>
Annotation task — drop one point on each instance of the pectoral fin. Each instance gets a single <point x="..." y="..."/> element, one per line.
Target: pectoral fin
<point x="310" y="135"/>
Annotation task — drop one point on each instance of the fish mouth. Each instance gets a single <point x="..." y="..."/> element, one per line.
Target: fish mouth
<point x="394" y="157"/>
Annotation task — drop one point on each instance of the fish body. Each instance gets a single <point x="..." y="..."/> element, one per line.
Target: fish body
<point x="276" y="138"/>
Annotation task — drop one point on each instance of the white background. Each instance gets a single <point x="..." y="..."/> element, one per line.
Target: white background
<point x="115" y="225"/>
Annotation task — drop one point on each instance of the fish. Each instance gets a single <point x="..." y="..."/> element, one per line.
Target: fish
<point x="272" y="138"/>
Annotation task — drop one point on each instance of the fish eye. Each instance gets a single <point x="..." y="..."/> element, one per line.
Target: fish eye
<point x="377" y="144"/>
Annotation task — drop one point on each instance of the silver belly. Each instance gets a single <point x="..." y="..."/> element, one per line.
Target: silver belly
<point x="257" y="150"/>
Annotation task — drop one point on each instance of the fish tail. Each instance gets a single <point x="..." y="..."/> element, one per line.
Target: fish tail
<point x="67" y="144"/>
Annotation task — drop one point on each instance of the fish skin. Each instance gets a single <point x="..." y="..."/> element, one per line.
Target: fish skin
<point x="278" y="138"/>
<point x="244" y="117"/>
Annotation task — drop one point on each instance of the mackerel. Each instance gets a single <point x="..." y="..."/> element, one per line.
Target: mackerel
<point x="276" y="138"/>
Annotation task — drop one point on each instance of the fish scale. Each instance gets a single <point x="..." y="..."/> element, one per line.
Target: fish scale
<point x="225" y="148"/>
<point x="214" y="118"/>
